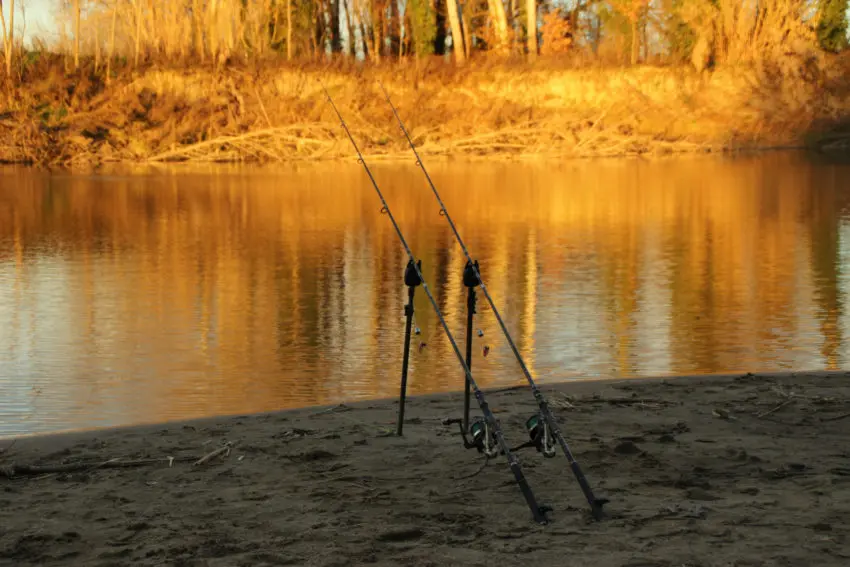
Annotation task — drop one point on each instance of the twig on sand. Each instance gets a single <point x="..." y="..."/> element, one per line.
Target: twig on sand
<point x="224" y="449"/>
<point x="777" y="408"/>
<point x="335" y="409"/>
<point x="836" y="417"/>
<point x="21" y="470"/>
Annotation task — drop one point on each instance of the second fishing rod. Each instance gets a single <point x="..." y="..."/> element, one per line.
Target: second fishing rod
<point x="546" y="413"/>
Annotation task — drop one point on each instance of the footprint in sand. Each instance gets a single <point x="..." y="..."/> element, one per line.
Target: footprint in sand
<point x="401" y="534"/>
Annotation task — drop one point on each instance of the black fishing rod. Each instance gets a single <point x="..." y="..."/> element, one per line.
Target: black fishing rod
<point x="538" y="512"/>
<point x="549" y="419"/>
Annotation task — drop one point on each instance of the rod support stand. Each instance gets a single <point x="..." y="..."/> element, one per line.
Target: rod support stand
<point x="411" y="280"/>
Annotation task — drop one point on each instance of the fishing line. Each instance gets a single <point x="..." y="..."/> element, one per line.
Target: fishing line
<point x="546" y="413"/>
<point x="538" y="512"/>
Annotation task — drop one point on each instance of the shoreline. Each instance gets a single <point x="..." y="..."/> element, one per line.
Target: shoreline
<point x="400" y="159"/>
<point x="402" y="156"/>
<point x="730" y="469"/>
<point x="571" y="384"/>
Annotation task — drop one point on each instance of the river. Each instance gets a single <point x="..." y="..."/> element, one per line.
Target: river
<point x="161" y="293"/>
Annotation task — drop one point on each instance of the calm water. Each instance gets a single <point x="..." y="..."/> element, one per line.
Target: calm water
<point x="172" y="293"/>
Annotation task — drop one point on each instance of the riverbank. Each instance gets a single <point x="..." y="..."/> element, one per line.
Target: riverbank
<point x="273" y="112"/>
<point x="736" y="470"/>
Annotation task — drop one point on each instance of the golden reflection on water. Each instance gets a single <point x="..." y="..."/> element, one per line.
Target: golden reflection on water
<point x="176" y="293"/>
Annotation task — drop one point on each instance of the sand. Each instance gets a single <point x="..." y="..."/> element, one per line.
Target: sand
<point x="709" y="471"/>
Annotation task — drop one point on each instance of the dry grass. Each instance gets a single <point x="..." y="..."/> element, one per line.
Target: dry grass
<point x="272" y="112"/>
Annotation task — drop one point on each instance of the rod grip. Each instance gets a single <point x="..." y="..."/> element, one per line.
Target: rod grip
<point x="595" y="503"/>
<point x="537" y="512"/>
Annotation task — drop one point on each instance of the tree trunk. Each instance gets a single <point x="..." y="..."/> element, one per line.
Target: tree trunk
<point x="289" y="29"/>
<point x="275" y="18"/>
<point x="336" y="40"/>
<point x="466" y="31"/>
<point x="319" y="30"/>
<point x="513" y="12"/>
<point x="440" y="37"/>
<point x="5" y="40"/>
<point x="457" y="34"/>
<point x="76" y="34"/>
<point x="8" y="36"/>
<point x="500" y="23"/>
<point x="385" y="29"/>
<point x="96" y="48"/>
<point x="596" y="34"/>
<point x="402" y="18"/>
<point x="635" y="40"/>
<point x="352" y="47"/>
<point x="393" y="31"/>
<point x="11" y="49"/>
<point x="377" y="22"/>
<point x="138" y="31"/>
<point x="531" y="25"/>
<point x="111" y="44"/>
<point x="364" y="38"/>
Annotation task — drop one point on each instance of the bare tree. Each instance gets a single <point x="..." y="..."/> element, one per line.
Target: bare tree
<point x="457" y="34"/>
<point x="634" y="11"/>
<point x="500" y="23"/>
<point x="289" y="29"/>
<point x="531" y="24"/>
<point x="111" y="40"/>
<point x="77" y="10"/>
<point x="8" y="36"/>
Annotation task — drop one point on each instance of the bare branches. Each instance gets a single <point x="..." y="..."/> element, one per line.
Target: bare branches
<point x="224" y="450"/>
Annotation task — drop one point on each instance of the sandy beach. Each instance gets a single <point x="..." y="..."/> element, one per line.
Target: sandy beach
<point x="700" y="471"/>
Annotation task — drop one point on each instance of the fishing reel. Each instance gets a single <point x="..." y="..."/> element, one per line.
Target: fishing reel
<point x="482" y="437"/>
<point x="540" y="436"/>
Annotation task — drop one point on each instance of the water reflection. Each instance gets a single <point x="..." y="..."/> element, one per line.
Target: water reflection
<point x="178" y="293"/>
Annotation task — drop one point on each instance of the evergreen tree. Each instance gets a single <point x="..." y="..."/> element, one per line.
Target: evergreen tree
<point x="423" y="25"/>
<point x="832" y="27"/>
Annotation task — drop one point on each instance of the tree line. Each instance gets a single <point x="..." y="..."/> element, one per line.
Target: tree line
<point x="704" y="32"/>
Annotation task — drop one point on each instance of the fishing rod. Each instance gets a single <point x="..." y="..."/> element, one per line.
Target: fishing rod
<point x="490" y="422"/>
<point x="545" y="412"/>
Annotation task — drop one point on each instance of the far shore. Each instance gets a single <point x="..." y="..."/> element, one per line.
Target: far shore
<point x="734" y="469"/>
<point x="278" y="113"/>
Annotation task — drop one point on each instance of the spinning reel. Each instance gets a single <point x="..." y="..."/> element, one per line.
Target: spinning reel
<point x="484" y="440"/>
<point x="483" y="437"/>
<point x="541" y="437"/>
